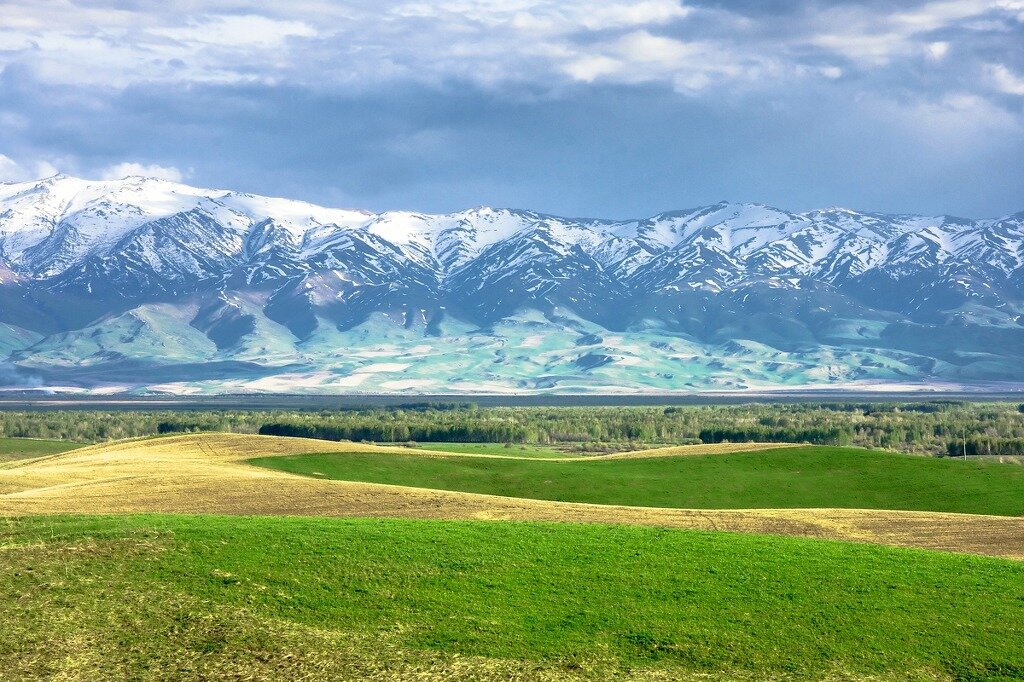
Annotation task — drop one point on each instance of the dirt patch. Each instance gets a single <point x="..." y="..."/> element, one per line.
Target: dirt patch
<point x="207" y="474"/>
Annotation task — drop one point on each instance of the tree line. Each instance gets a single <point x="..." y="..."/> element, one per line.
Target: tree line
<point x="937" y="427"/>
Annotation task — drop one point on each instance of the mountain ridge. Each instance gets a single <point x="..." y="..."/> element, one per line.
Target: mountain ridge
<point x="95" y="275"/>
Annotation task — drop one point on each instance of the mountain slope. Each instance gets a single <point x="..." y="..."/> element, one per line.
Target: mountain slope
<point x="184" y="288"/>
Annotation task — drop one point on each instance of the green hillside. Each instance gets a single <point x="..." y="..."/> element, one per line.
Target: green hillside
<point x="24" y="448"/>
<point x="792" y="477"/>
<point x="147" y="597"/>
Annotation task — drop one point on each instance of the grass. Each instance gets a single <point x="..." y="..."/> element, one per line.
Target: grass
<point x="163" y="597"/>
<point x="210" y="474"/>
<point x="799" y="477"/>
<point x="539" y="451"/>
<point x="25" y="448"/>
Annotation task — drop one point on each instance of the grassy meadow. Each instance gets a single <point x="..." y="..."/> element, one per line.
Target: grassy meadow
<point x="25" y="448"/>
<point x="158" y="597"/>
<point x="804" y="477"/>
<point x="154" y="596"/>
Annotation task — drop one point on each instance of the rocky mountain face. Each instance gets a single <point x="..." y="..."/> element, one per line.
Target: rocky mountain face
<point x="144" y="284"/>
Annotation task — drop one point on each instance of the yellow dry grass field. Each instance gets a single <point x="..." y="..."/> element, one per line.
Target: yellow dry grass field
<point x="687" y="450"/>
<point x="208" y="474"/>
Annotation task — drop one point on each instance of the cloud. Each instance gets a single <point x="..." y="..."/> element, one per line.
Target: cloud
<point x="330" y="44"/>
<point x="938" y="49"/>
<point x="604" y="149"/>
<point x="12" y="171"/>
<point x="604" y="16"/>
<point x="619" y="108"/>
<point x="126" y="169"/>
<point x="543" y="45"/>
<point x="548" y="17"/>
<point x="237" y="31"/>
<point x="875" y="38"/>
<point x="1005" y="80"/>
<point x="959" y="125"/>
<point x="690" y="66"/>
<point x="591" y="67"/>
<point x="831" y="72"/>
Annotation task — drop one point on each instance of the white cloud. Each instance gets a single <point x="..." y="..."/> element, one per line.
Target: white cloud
<point x="123" y="170"/>
<point x="1012" y="6"/>
<point x="45" y="169"/>
<point x="938" y="49"/>
<point x="600" y="16"/>
<point x="958" y="125"/>
<point x="689" y="66"/>
<point x="864" y="34"/>
<point x="12" y="171"/>
<point x="641" y="46"/>
<point x="346" y="45"/>
<point x="1005" y="80"/>
<point x="548" y="16"/>
<point x="935" y="15"/>
<point x="590" y="68"/>
<point x="238" y="31"/>
<point x="875" y="49"/>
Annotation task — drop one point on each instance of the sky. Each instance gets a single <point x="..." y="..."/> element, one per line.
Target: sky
<point x="607" y="109"/>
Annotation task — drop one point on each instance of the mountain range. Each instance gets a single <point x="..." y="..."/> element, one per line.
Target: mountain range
<point x="146" y="285"/>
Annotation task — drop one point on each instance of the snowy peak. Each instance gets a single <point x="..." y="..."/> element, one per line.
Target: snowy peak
<point x="146" y="237"/>
<point x="101" y="280"/>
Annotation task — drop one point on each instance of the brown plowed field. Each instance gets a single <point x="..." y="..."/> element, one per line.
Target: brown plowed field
<point x="208" y="474"/>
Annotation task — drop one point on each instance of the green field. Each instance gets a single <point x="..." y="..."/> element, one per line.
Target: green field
<point x="793" y="477"/>
<point x="24" y="448"/>
<point x="515" y="450"/>
<point x="214" y="597"/>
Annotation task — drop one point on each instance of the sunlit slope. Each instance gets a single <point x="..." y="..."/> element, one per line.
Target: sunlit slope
<point x="789" y="477"/>
<point x="267" y="598"/>
<point x="208" y="473"/>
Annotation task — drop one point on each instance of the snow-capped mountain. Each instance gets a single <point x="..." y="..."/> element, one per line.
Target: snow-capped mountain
<point x="144" y="282"/>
